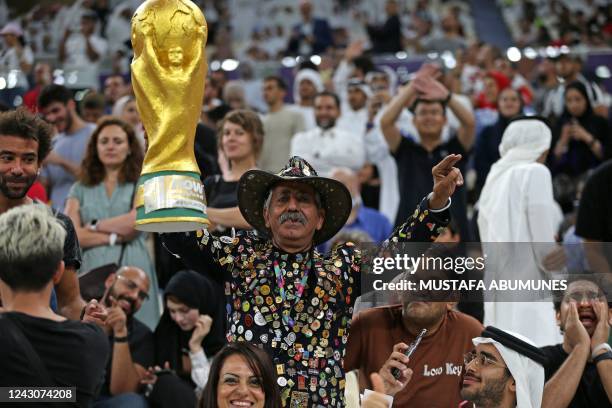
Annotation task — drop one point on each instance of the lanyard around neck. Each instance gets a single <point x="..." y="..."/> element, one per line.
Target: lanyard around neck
<point x="299" y="286"/>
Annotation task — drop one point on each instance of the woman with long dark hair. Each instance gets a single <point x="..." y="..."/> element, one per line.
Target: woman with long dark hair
<point x="101" y="207"/>
<point x="241" y="372"/>
<point x="581" y="140"/>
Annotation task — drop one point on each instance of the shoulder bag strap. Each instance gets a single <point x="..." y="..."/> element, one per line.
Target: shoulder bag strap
<point x="131" y="204"/>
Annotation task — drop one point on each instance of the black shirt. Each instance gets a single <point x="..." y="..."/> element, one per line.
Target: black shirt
<point x="579" y="157"/>
<point x="142" y="349"/>
<point x="221" y="193"/>
<point x="388" y="37"/>
<point x="590" y="392"/>
<point x="72" y="249"/>
<point x="205" y="149"/>
<point x="73" y="353"/>
<point x="487" y="149"/>
<point x="595" y="212"/>
<point x="414" y="165"/>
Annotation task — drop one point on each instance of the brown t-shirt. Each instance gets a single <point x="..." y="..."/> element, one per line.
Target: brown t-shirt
<point x="437" y="363"/>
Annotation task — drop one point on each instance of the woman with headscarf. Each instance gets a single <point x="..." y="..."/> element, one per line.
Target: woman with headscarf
<point x="517" y="213"/>
<point x="581" y="138"/>
<point x="191" y="330"/>
<point x="510" y="104"/>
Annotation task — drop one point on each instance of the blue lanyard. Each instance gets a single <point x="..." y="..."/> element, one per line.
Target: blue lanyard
<point x="300" y="286"/>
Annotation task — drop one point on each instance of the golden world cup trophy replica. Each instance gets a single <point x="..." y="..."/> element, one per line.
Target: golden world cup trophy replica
<point x="168" y="75"/>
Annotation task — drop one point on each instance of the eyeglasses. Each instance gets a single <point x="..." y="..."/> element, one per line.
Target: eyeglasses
<point x="131" y="285"/>
<point x="481" y="359"/>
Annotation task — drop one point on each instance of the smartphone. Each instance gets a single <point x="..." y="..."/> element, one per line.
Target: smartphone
<point x="409" y="351"/>
<point x="163" y="371"/>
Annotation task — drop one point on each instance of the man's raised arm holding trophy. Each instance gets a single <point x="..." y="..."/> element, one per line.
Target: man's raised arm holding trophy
<point x="168" y="76"/>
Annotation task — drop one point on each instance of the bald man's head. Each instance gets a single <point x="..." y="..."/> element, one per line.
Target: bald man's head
<point x="128" y="288"/>
<point x="349" y="178"/>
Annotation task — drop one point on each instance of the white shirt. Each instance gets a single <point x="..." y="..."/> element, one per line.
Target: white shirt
<point x="326" y="149"/>
<point x="10" y="66"/>
<point x="353" y="121"/>
<point x="80" y="71"/>
<point x="309" y="116"/>
<point x="118" y="30"/>
<point x="200" y="367"/>
<point x="377" y="152"/>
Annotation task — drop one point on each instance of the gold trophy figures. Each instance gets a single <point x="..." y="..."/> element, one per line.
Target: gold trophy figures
<point x="168" y="75"/>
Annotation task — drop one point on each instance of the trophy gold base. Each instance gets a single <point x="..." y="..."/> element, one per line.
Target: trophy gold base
<point x="170" y="201"/>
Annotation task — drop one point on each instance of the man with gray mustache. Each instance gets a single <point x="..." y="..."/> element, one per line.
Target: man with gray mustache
<point x="285" y="296"/>
<point x="292" y="216"/>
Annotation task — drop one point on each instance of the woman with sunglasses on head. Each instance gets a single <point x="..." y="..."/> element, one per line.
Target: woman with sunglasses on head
<point x="241" y="375"/>
<point x="101" y="207"/>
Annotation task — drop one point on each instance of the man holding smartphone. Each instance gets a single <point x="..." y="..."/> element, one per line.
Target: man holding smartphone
<point x="380" y="337"/>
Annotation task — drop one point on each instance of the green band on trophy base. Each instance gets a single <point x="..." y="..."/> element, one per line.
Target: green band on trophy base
<point x="170" y="201"/>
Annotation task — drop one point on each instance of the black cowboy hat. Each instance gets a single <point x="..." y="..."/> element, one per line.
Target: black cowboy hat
<point x="255" y="185"/>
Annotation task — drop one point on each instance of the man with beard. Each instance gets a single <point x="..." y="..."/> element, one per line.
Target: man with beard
<point x="504" y="371"/>
<point x="285" y="296"/>
<point x="380" y="336"/>
<point x="25" y="141"/>
<point x="64" y="162"/>
<point x="579" y="371"/>
<point x="327" y="146"/>
<point x="132" y="343"/>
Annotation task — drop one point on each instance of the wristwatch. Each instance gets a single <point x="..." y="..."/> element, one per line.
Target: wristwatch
<point x="602" y="346"/>
<point x="93" y="225"/>
<point x="605" y="356"/>
<point x="112" y="239"/>
<point x="448" y="98"/>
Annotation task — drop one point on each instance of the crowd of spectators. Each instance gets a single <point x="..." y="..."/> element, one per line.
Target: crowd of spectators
<point x="558" y="22"/>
